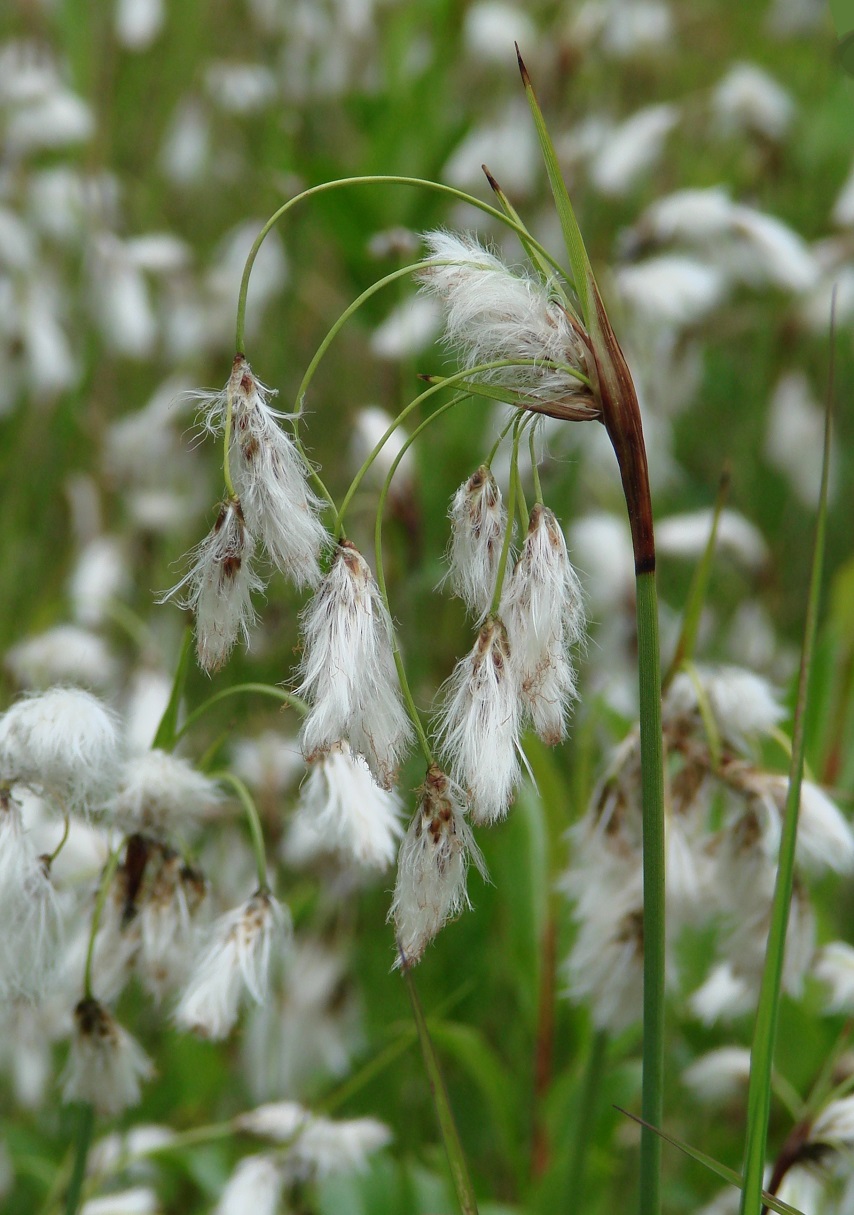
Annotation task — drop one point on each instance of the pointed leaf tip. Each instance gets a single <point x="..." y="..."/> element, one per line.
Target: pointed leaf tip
<point x="492" y="182"/>
<point x="526" y="79"/>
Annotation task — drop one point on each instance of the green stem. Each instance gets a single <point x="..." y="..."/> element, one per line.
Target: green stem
<point x="652" y="779"/>
<point x="254" y="820"/>
<point x="502" y="435"/>
<point x="50" y="857"/>
<point x="408" y="698"/>
<point x="535" y="471"/>
<point x="508" y="531"/>
<point x="85" y="1127"/>
<point x="263" y="689"/>
<point x="591" y="1086"/>
<point x="765" y="1026"/>
<point x="226" y="443"/>
<point x="379" y="179"/>
<point x="450" y="1135"/>
<point x="103" y="890"/>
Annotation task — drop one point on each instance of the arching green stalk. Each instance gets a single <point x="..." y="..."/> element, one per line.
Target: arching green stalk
<point x="408" y="698"/>
<point x="254" y="821"/>
<point x="375" y="180"/>
<point x="263" y="689"/>
<point x="508" y="531"/>
<point x="100" y="901"/>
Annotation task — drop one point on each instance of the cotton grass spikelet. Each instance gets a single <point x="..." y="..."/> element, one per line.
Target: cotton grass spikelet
<point x="480" y="724"/>
<point x="542" y="610"/>
<point x="343" y="810"/>
<point x="348" y="670"/>
<point x="218" y="587"/>
<point x="106" y="1065"/>
<point x="269" y="476"/>
<point x="235" y="961"/>
<point x="478" y="520"/>
<point x="431" y="868"/>
<point x="493" y="314"/>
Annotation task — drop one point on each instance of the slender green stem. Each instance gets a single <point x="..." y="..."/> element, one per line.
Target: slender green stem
<point x="376" y="180"/>
<point x="253" y="818"/>
<point x="238" y="689"/>
<point x="226" y="443"/>
<point x="652" y="778"/>
<point x="591" y="1086"/>
<point x="450" y="1135"/>
<point x="502" y="435"/>
<point x="85" y="1127"/>
<point x="535" y="470"/>
<point x="765" y="1026"/>
<point x="508" y="531"/>
<point x="103" y="891"/>
<point x="50" y="857"/>
<point x="408" y="698"/>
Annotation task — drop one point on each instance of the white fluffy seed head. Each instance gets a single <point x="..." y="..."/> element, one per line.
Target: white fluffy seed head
<point x="218" y="587"/>
<point x="342" y="810"/>
<point x="348" y="670"/>
<point x="431" y="868"/>
<point x="161" y="792"/>
<point x="64" y="742"/>
<point x="29" y="911"/>
<point x="65" y="654"/>
<point x="106" y="1065"/>
<point x="542" y="608"/>
<point x="270" y="478"/>
<point x="493" y="314"/>
<point x="605" y="965"/>
<point x="255" y="1185"/>
<point x="478" y="520"/>
<point x="743" y="704"/>
<point x="480" y="724"/>
<point x="236" y="961"/>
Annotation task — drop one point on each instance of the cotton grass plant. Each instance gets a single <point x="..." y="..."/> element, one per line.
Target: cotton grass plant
<point x="158" y="908"/>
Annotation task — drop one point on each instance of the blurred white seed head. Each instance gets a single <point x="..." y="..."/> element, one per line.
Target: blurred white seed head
<point x="138" y="23"/>
<point x="348" y="670"/>
<point x="480" y="724"/>
<point x="106" y="1066"/>
<point x="834" y="967"/>
<point x="723" y="996"/>
<point x="408" y="330"/>
<point x="605" y="966"/>
<point x="139" y="1200"/>
<point x="835" y="1125"/>
<point x="718" y="1075"/>
<point x="326" y="1146"/>
<point x="431" y="868"/>
<point x="671" y="289"/>
<point x="234" y="963"/>
<point x="490" y="27"/>
<point x="369" y="426"/>
<point x="686" y="535"/>
<point x="163" y="793"/>
<point x="343" y="811"/>
<point x="279" y="1121"/>
<point x="632" y="149"/>
<point x="743" y="704"/>
<point x="255" y="1186"/>
<point x="100" y="575"/>
<point x="493" y="314"/>
<point x="542" y="609"/>
<point x="29" y="910"/>
<point x="64" y="742"/>
<point x="794" y="438"/>
<point x="167" y="913"/>
<point x="478" y="520"/>
<point x="218" y="587"/>
<point x="748" y="99"/>
<point x="63" y="655"/>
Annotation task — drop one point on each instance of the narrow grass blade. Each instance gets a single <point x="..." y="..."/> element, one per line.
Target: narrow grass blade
<point x="714" y="1166"/>
<point x="534" y="256"/>
<point x="579" y="263"/>
<point x="167" y="731"/>
<point x="699" y="587"/>
<point x="762" y="1053"/>
<point x="447" y="1125"/>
